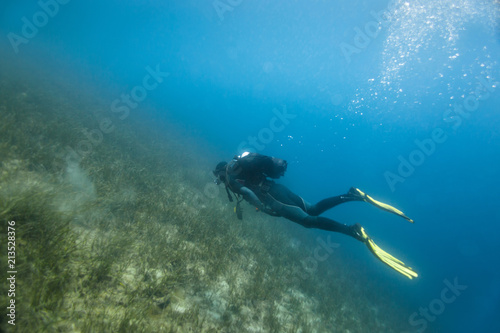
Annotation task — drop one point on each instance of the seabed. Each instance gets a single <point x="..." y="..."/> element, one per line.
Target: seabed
<point x="121" y="239"/>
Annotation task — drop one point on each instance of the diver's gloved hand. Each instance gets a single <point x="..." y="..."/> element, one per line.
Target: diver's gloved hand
<point x="359" y="233"/>
<point x="268" y="211"/>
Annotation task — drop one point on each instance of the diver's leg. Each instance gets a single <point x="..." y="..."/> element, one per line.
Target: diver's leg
<point x="297" y="214"/>
<point x="324" y="223"/>
<point x="281" y="194"/>
<point x="331" y="202"/>
<point x="354" y="194"/>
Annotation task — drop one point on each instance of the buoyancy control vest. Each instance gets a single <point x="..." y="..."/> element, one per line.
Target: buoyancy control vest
<point x="257" y="165"/>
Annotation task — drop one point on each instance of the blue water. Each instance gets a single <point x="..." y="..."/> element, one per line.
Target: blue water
<point x="405" y="108"/>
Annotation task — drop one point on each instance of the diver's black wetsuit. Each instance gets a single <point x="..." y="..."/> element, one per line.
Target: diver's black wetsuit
<point x="277" y="200"/>
<point x="291" y="206"/>
<point x="283" y="202"/>
<point x="248" y="176"/>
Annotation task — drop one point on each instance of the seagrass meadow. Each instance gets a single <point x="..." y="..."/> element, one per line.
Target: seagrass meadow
<point x="122" y="238"/>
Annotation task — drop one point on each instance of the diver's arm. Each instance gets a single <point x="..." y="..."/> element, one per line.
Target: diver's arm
<point x="247" y="193"/>
<point x="250" y="196"/>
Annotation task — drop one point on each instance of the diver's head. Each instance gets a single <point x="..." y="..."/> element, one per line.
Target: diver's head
<point x="220" y="173"/>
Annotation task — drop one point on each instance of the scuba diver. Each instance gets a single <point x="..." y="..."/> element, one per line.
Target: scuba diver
<point x="247" y="177"/>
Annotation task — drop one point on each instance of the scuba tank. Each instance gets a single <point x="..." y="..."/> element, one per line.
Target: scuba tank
<point x="269" y="166"/>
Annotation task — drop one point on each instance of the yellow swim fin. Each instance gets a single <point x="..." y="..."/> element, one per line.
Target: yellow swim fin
<point x="381" y="205"/>
<point x="385" y="257"/>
